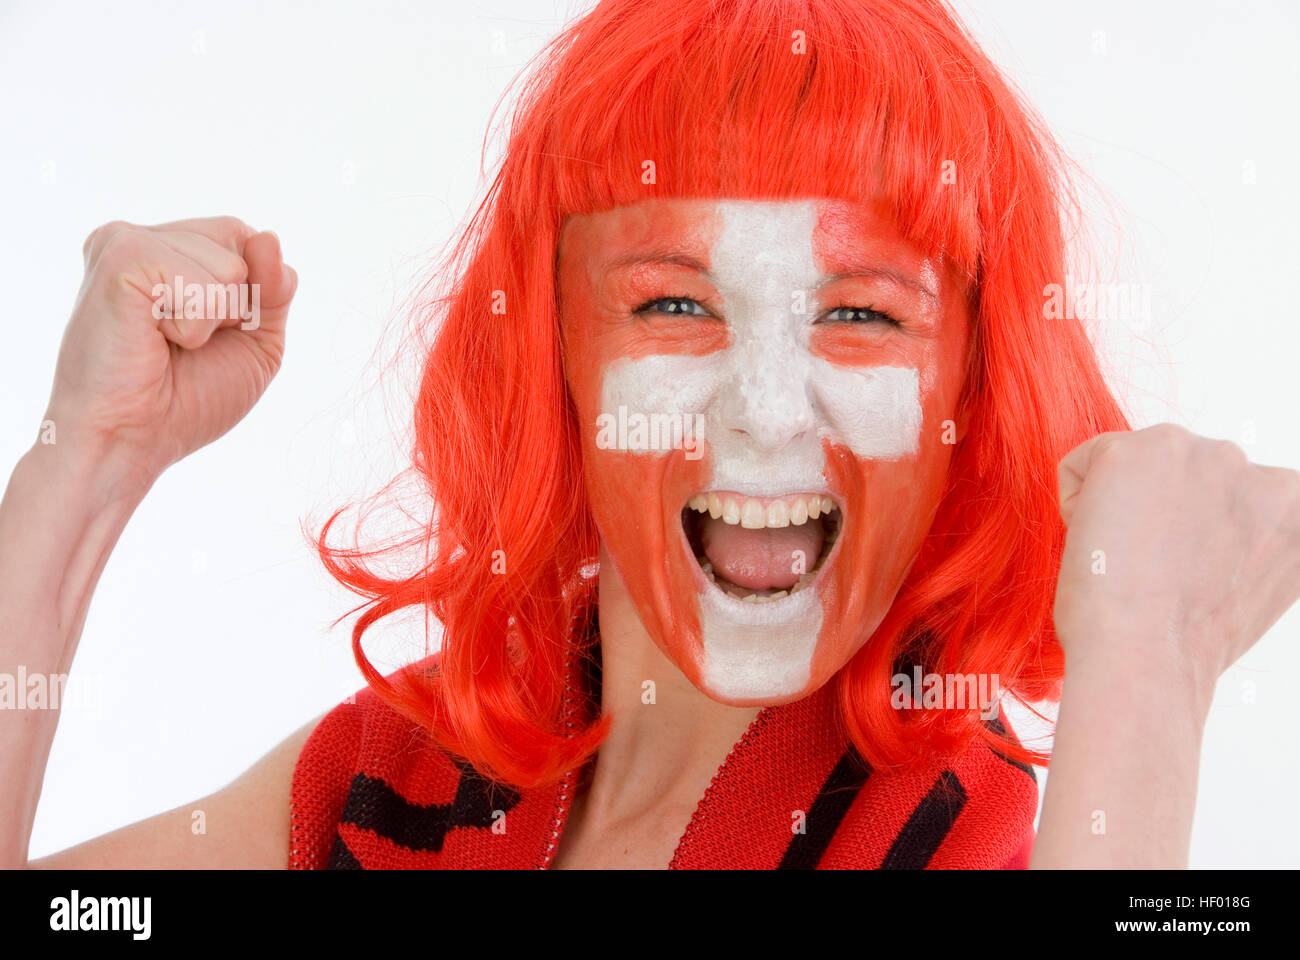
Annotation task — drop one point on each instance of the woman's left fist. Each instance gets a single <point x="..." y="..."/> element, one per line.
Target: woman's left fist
<point x="1178" y="547"/>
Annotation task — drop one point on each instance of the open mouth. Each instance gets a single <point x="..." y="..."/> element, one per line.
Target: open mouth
<point x="761" y="549"/>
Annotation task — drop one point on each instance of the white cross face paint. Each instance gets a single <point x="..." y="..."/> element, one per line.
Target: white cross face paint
<point x="780" y="385"/>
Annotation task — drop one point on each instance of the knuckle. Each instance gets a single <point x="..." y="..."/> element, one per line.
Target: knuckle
<point x="124" y="243"/>
<point x="231" y="229"/>
<point x="1168" y="435"/>
<point x="1112" y="450"/>
<point x="1229" y="450"/>
<point x="1225" y="454"/>
<point x="102" y="233"/>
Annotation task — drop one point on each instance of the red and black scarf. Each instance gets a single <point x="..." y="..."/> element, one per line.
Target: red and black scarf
<point x="371" y="790"/>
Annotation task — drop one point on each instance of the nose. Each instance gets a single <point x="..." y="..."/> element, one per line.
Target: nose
<point x="767" y="400"/>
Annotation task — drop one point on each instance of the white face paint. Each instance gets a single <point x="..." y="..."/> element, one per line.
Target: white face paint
<point x="767" y="405"/>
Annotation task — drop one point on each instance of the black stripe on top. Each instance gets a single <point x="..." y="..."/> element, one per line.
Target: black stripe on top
<point x="373" y="804"/>
<point x="929" y="823"/>
<point x="829" y="808"/>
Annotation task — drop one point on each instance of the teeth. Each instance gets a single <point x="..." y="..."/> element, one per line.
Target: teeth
<point x="778" y="514"/>
<point x="768" y="598"/>
<point x="755" y="514"/>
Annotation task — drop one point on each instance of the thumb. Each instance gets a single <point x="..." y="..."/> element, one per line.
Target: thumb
<point x="277" y="281"/>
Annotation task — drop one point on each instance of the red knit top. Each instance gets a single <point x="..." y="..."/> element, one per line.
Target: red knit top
<point x="372" y="790"/>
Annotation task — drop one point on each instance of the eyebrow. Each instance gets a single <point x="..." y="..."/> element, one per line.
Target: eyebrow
<point x="686" y="260"/>
<point x="883" y="273"/>
<point x="661" y="256"/>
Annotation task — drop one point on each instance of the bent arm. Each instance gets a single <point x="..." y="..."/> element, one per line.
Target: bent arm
<point x="1121" y="792"/>
<point x="62" y="513"/>
<point x="65" y="507"/>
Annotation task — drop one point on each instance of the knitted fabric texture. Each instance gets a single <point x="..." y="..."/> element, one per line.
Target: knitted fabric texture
<point x="371" y="790"/>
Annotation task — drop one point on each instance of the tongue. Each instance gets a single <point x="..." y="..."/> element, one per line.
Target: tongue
<point x="772" y="558"/>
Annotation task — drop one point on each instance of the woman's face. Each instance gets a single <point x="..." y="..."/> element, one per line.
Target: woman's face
<point x="766" y="394"/>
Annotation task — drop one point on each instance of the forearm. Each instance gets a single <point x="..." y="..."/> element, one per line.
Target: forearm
<point x="1121" y="791"/>
<point x="65" y="507"/>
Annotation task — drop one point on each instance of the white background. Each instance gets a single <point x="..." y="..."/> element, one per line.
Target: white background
<point x="357" y="136"/>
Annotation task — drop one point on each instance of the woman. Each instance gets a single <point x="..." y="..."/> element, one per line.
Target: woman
<point x="745" y="420"/>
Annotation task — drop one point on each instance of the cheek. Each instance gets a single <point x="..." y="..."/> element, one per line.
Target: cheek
<point x="889" y="506"/>
<point x="883" y="462"/>
<point x="636" y="501"/>
<point x="639" y="475"/>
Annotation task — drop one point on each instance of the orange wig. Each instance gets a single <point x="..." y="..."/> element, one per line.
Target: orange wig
<point x="747" y="99"/>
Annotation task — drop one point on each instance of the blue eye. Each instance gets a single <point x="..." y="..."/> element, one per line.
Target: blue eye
<point x="860" y="315"/>
<point x="674" y="306"/>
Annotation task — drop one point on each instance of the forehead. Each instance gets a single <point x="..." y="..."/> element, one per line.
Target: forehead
<point x="830" y="237"/>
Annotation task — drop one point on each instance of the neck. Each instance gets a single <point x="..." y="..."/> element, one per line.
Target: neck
<point x="666" y="739"/>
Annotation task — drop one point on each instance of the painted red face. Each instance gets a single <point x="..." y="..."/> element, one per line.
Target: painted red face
<point x="766" y="394"/>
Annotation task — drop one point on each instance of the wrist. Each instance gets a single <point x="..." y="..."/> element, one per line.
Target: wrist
<point x="96" y="467"/>
<point x="66" y="504"/>
<point x="1144" y="660"/>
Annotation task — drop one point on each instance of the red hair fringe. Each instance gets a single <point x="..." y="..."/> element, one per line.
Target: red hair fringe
<point x="884" y="95"/>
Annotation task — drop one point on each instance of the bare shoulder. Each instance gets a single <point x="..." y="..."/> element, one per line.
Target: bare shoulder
<point x="246" y="825"/>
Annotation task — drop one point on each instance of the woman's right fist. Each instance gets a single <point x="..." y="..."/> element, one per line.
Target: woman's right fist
<point x="176" y="332"/>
